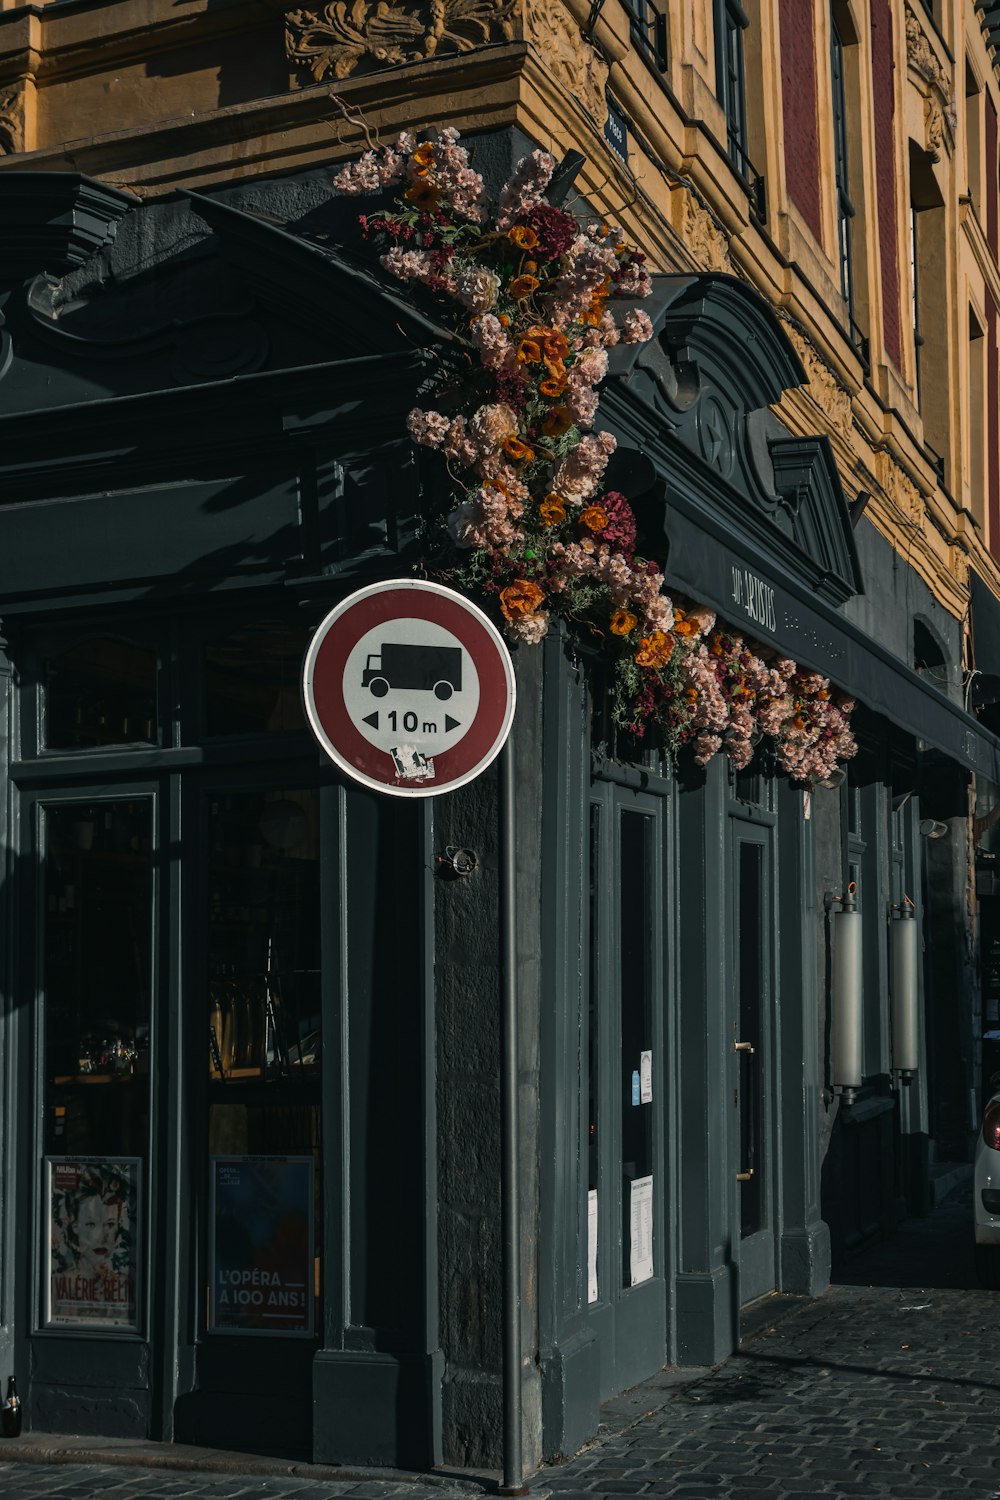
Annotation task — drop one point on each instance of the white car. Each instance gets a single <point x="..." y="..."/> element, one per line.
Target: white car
<point x="986" y="1195"/>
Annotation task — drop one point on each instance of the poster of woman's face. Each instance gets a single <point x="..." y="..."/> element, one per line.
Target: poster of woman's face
<point x="92" y="1249"/>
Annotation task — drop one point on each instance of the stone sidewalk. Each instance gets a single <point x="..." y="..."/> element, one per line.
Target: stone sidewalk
<point x="888" y="1386"/>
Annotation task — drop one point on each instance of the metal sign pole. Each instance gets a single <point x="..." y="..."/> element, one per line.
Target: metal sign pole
<point x="513" y="1475"/>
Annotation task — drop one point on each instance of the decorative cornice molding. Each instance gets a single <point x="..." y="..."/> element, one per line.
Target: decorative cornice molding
<point x="11" y="119"/>
<point x="364" y="36"/>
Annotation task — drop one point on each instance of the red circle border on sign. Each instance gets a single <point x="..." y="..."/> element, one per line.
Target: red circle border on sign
<point x="381" y="604"/>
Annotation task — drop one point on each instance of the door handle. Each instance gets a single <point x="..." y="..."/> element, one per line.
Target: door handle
<point x="744" y="1176"/>
<point x="743" y="1047"/>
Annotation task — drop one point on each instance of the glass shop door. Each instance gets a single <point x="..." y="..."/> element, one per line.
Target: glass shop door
<point x="752" y="999"/>
<point x="626" y="1285"/>
<point x="253" y="983"/>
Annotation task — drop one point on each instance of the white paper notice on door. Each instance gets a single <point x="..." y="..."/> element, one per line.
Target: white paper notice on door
<point x="592" y="1245"/>
<point x="641" y="1229"/>
<point x="646" y="1077"/>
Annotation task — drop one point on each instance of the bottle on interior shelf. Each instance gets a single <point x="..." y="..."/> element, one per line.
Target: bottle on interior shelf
<point x="10" y="1412"/>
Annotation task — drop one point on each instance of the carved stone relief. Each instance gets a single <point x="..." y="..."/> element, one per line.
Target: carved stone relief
<point x="571" y="60"/>
<point x="351" y="36"/>
<point x="707" y="243"/>
<point x="935" y="85"/>
<point x="901" y="490"/>
<point x="11" y="119"/>
<point x="824" y="387"/>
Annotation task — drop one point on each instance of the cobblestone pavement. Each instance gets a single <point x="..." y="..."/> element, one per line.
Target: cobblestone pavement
<point x="888" y="1386"/>
<point x="68" y="1481"/>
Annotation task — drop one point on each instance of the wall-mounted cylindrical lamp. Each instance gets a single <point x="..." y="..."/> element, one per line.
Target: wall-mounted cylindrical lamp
<point x="846" y="1031"/>
<point x="905" y="992"/>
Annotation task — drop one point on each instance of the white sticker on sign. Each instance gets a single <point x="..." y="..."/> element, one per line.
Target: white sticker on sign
<point x="410" y="687"/>
<point x="646" y="1077"/>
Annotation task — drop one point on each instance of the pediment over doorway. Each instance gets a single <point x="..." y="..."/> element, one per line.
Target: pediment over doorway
<point x="706" y="385"/>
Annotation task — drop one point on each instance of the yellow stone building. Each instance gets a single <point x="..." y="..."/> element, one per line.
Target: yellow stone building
<point x="204" y="387"/>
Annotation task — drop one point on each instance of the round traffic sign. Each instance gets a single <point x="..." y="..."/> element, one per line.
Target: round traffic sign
<point x="409" y="688"/>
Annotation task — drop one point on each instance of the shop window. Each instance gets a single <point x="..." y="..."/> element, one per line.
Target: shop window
<point x="263" y="958"/>
<point x="97" y="976"/>
<point x="99" y="691"/>
<point x="264" y="1050"/>
<point x="252" y="678"/>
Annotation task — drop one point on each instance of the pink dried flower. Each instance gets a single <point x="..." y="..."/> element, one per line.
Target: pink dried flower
<point x="524" y="188"/>
<point x="429" y="428"/>
<point x="636" y="327"/>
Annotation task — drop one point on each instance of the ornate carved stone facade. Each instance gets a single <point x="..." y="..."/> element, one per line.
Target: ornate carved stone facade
<point x="11" y="119"/>
<point x="824" y="387"/>
<point x="901" y="490"/>
<point x="935" y="84"/>
<point x="704" y="239"/>
<point x="567" y="56"/>
<point x="342" y="38"/>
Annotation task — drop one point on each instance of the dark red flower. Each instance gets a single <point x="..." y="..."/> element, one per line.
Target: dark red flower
<point x="511" y="388"/>
<point x="620" y="530"/>
<point x="555" y="229"/>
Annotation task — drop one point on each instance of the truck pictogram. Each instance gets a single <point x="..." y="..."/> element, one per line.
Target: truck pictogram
<point x="425" y="669"/>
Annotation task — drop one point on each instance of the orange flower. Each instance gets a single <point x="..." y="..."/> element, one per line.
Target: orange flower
<point x="655" y="650"/>
<point x="623" y="622"/>
<point x="691" y="694"/>
<point x="553" y="385"/>
<point x="557" y="422"/>
<point x="552" y="509"/>
<point x="514" y="448"/>
<point x="521" y="598"/>
<point x="823" y="694"/>
<point x="424" y="154"/>
<point x="529" y="352"/>
<point x="595" y="518"/>
<point x="422" y="195"/>
<point x="685" y="627"/>
<point x="522" y="286"/>
<point x="497" y="484"/>
<point x="556" y="344"/>
<point x="523" y="237"/>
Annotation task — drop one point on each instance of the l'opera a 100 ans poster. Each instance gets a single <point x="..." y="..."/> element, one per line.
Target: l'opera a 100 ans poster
<point x="261" y="1252"/>
<point x="93" y="1242"/>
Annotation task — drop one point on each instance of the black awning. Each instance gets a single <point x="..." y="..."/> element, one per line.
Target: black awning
<point x="707" y="563"/>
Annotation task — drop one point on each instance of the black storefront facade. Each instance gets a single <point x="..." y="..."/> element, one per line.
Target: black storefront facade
<point x="219" y="951"/>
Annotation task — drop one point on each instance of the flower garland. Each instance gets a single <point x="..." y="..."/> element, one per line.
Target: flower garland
<point x="530" y="524"/>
